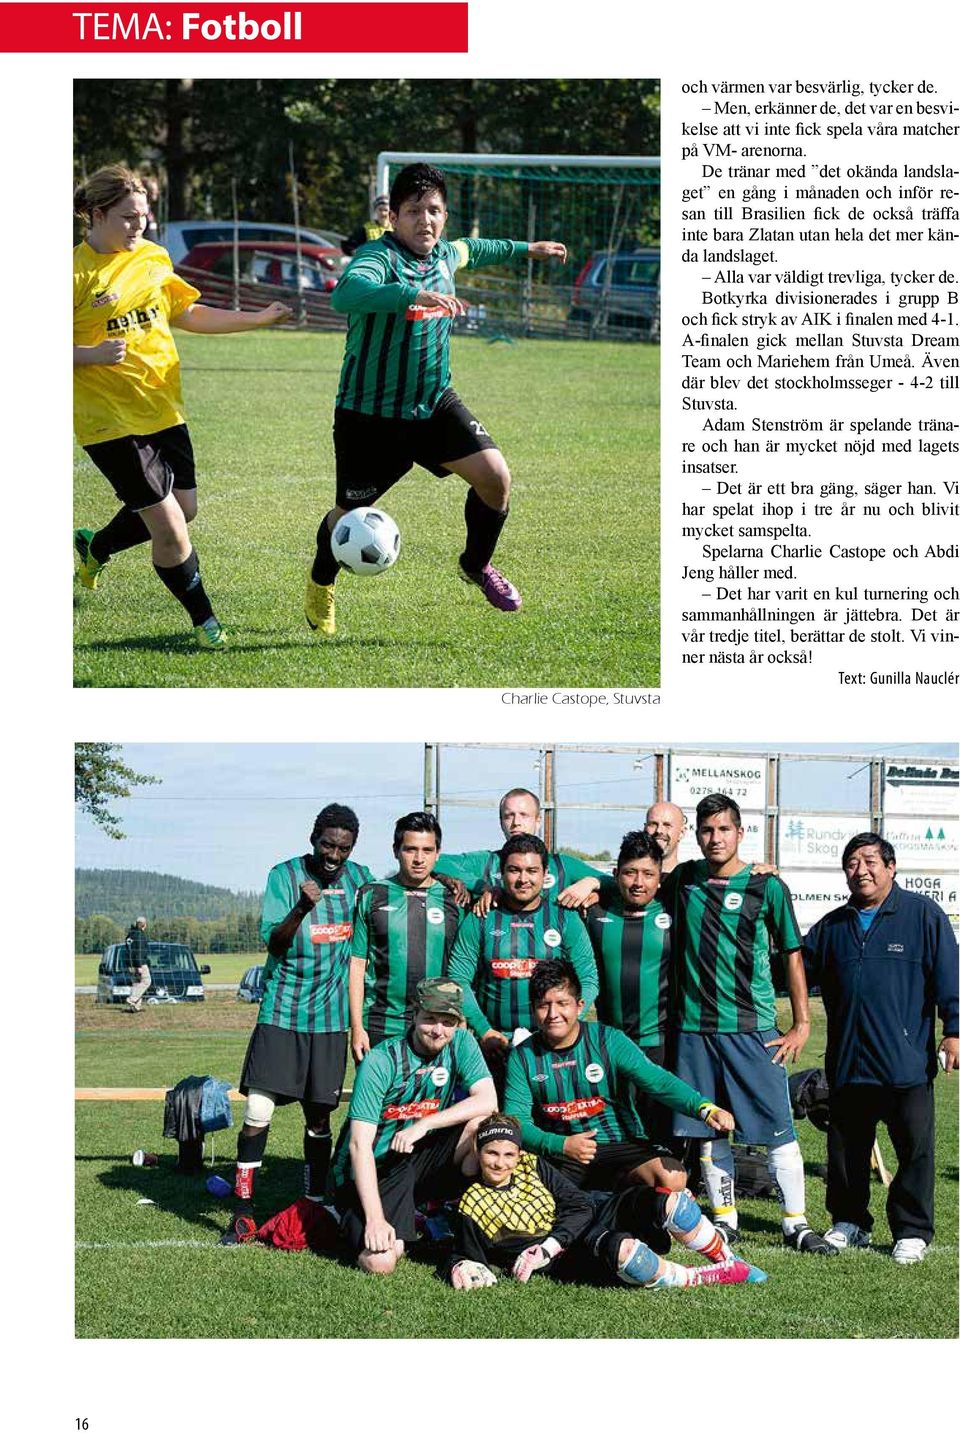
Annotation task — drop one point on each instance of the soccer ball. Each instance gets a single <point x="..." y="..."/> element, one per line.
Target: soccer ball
<point x="366" y="541"/>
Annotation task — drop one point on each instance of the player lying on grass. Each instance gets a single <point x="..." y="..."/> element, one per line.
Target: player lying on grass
<point x="395" y="406"/>
<point x="403" y="932"/>
<point x="478" y="872"/>
<point x="495" y="956"/>
<point x="407" y="1130"/>
<point x="298" y="1049"/>
<point x="573" y="1086"/>
<point x="128" y="407"/>
<point x="521" y="1215"/>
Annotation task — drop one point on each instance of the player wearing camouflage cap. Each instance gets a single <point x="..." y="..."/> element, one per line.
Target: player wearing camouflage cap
<point x="405" y="1135"/>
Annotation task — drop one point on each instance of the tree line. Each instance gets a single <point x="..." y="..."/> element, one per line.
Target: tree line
<point x="122" y="895"/>
<point x="200" y="137"/>
<point x="239" y="934"/>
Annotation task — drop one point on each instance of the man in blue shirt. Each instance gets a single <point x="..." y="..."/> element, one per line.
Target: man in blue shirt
<point x="885" y="962"/>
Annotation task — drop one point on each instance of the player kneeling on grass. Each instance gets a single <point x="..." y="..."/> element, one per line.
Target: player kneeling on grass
<point x="573" y="1086"/>
<point x="395" y="406"/>
<point x="128" y="407"/>
<point x="521" y="1214"/>
<point x="409" y="1127"/>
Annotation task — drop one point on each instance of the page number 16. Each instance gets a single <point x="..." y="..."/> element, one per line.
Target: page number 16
<point x="82" y="1424"/>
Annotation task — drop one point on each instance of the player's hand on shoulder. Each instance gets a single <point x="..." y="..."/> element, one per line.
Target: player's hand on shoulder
<point x="458" y="890"/>
<point x="484" y="903"/>
<point x="548" y="249"/>
<point x="582" y="1147"/>
<point x="765" y="868"/>
<point x="580" y="895"/>
<point x="449" y="303"/>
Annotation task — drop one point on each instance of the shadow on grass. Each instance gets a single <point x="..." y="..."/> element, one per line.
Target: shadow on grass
<point x="186" y="1195"/>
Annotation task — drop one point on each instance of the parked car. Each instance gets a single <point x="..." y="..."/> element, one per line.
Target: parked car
<point x="265" y="262"/>
<point x="179" y="236"/>
<point x="173" y="969"/>
<point x="621" y="289"/>
<point x="250" y="988"/>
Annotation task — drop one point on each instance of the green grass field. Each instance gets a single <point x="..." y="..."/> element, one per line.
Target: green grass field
<point x="579" y="425"/>
<point x="156" y="1271"/>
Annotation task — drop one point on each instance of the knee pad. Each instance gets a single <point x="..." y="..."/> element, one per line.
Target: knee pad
<point x="641" y="1267"/>
<point x="682" y="1211"/>
<point x="260" y="1108"/>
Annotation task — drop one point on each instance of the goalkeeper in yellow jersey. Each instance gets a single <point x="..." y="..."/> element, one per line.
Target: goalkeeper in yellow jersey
<point x="128" y="408"/>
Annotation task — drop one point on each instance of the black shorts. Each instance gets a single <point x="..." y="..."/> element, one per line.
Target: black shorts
<point x="657" y="1120"/>
<point x="638" y="1213"/>
<point x="374" y="453"/>
<point x="290" y="1065"/>
<point x="610" y="1164"/>
<point x="144" y="469"/>
<point x="404" y="1181"/>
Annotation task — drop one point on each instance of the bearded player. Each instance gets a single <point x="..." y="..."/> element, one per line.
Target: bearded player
<point x="298" y="1049"/>
<point x="395" y="406"/>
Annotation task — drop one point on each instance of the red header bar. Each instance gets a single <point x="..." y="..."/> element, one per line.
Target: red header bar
<point x="395" y="26"/>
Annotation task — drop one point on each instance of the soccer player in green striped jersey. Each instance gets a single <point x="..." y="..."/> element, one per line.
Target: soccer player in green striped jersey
<point x="726" y="918"/>
<point x="298" y="1049"/>
<point x="479" y="871"/>
<point x="495" y="955"/>
<point x="395" y="406"/>
<point x="573" y="1086"/>
<point x="403" y="932"/>
<point x="631" y="937"/>
<point x="409" y="1127"/>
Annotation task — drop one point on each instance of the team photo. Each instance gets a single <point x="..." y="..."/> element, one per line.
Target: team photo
<point x="596" y="1072"/>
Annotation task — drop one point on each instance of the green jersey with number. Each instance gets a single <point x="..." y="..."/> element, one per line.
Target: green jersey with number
<point x="405" y="936"/>
<point x="395" y="1086"/>
<point x="633" y="953"/>
<point x="592" y="1084"/>
<point x="724" y="929"/>
<point x="397" y="359"/>
<point x="495" y="955"/>
<point x="306" y="988"/>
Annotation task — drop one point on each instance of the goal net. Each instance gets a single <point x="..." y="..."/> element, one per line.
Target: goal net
<point x="605" y="208"/>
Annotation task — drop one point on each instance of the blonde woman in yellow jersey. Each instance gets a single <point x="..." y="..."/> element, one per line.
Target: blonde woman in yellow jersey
<point x="128" y="408"/>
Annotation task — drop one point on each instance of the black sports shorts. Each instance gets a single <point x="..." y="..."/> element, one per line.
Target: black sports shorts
<point x="611" y="1162"/>
<point x="291" y="1065"/>
<point x="404" y="1181"/>
<point x="144" y="469"/>
<point x="374" y="453"/>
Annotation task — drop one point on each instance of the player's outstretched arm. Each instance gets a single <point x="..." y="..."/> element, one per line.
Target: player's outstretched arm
<point x="548" y="249"/>
<point x="787" y="1047"/>
<point x="200" y="318"/>
<point x="379" y="1236"/>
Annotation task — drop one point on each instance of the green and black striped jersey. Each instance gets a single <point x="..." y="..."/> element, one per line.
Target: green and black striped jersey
<point x="634" y="954"/>
<point x="405" y="936"/>
<point x="494" y="957"/>
<point x="395" y="1086"/>
<point x="306" y="989"/>
<point x="397" y="359"/>
<point x="592" y="1084"/>
<point x="480" y="870"/>
<point x="724" y="927"/>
